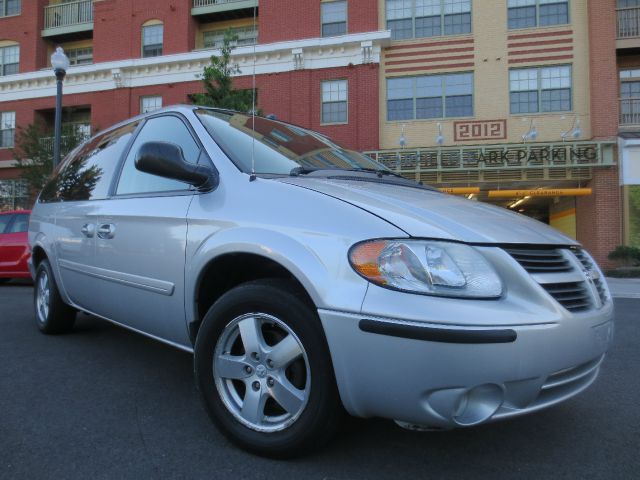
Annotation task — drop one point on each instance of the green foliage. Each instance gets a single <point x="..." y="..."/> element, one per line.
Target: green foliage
<point x="218" y="82"/>
<point x="34" y="151"/>
<point x="634" y="215"/>
<point x="626" y="254"/>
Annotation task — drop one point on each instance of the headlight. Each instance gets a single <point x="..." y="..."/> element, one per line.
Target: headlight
<point x="427" y="267"/>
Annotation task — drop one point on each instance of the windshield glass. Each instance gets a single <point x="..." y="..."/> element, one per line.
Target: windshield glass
<point x="279" y="148"/>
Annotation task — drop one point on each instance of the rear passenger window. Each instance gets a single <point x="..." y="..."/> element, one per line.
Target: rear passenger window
<point x="88" y="175"/>
<point x="159" y="129"/>
<point x="5" y="220"/>
<point x="20" y="224"/>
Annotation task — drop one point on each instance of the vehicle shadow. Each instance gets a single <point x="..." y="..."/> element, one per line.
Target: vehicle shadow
<point x="17" y="282"/>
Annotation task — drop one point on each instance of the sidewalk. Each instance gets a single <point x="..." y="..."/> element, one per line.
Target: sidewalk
<point x="624" y="287"/>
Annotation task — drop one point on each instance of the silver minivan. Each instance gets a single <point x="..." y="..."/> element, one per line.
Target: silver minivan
<point x="308" y="279"/>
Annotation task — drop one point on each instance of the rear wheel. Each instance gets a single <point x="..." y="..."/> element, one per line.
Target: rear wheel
<point x="263" y="368"/>
<point x="52" y="314"/>
<point x="4" y="280"/>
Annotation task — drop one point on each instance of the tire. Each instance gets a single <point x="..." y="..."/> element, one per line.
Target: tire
<point x="52" y="314"/>
<point x="4" y="280"/>
<point x="295" y="402"/>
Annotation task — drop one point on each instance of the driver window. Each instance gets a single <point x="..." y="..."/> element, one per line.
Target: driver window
<point x="159" y="129"/>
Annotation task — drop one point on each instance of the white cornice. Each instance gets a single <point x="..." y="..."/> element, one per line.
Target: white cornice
<point x="313" y="53"/>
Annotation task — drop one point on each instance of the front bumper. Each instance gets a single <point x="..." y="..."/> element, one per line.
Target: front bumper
<point x="446" y="381"/>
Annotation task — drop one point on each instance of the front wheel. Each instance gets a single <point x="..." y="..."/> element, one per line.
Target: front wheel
<point x="52" y="314"/>
<point x="264" y="371"/>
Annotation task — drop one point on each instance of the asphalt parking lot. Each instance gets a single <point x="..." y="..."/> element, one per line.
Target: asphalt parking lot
<point x="102" y="402"/>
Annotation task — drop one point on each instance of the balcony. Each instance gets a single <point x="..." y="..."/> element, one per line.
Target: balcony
<point x="214" y="10"/>
<point x="629" y="112"/>
<point x="69" y="19"/>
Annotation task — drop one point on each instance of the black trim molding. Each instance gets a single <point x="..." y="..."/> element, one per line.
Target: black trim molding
<point x="441" y="335"/>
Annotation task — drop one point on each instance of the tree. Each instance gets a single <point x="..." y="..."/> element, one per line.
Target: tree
<point x="218" y="82"/>
<point x="34" y="151"/>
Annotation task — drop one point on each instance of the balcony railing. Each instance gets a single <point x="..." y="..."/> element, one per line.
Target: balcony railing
<point x="81" y="132"/>
<point x="630" y="111"/>
<point x="208" y="3"/>
<point x="628" y="22"/>
<point x="68" y="14"/>
<point x="221" y="7"/>
<point x="246" y="36"/>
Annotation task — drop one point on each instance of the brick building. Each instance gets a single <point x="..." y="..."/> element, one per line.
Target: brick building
<point x="529" y="104"/>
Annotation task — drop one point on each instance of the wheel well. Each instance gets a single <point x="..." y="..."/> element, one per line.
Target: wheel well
<point x="230" y="270"/>
<point x="37" y="256"/>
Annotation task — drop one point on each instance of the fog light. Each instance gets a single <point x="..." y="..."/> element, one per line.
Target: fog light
<point x="478" y="404"/>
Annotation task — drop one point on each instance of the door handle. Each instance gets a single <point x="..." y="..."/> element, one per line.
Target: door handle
<point x="88" y="230"/>
<point x="106" y="230"/>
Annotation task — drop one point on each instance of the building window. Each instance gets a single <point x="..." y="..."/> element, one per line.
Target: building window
<point x="630" y="97"/>
<point x="149" y="104"/>
<point x="152" y="37"/>
<point x="9" y="60"/>
<point x="7" y="129"/>
<point x="9" y="7"/>
<point x="80" y="56"/>
<point x="334" y="18"/>
<point x="334" y="101"/>
<point x="428" y="18"/>
<point x="215" y="38"/>
<point x="537" y="13"/>
<point x="430" y="96"/>
<point x="542" y="89"/>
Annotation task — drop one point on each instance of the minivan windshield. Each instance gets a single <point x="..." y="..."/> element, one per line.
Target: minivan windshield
<point x="277" y="147"/>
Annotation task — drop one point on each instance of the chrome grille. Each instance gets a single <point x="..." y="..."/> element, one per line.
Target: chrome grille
<point x="574" y="296"/>
<point x="541" y="261"/>
<point x="589" y="266"/>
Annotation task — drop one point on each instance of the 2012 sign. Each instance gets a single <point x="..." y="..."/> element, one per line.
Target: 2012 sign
<point x="480" y="130"/>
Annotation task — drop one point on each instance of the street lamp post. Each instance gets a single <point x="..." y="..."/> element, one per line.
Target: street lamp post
<point x="60" y="63"/>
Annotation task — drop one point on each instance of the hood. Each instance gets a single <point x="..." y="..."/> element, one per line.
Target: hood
<point x="431" y="214"/>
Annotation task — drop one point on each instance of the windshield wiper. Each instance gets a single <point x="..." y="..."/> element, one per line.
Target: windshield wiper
<point x="306" y="170"/>
<point x="377" y="171"/>
<point x="302" y="171"/>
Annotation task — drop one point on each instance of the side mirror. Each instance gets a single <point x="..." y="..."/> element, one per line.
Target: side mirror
<point x="166" y="160"/>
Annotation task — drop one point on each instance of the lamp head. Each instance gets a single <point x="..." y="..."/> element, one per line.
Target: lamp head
<point x="440" y="137"/>
<point x="59" y="61"/>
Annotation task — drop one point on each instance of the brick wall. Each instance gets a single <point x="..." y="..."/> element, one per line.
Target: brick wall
<point x="603" y="71"/>
<point x="304" y="19"/>
<point x="25" y="29"/>
<point x="118" y="27"/>
<point x="598" y="217"/>
<point x="295" y="97"/>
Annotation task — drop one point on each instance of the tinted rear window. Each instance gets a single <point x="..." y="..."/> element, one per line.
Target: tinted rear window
<point x="4" y="222"/>
<point x="88" y="175"/>
<point x="20" y="224"/>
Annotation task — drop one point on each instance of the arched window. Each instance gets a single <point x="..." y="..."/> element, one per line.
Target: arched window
<point x="9" y="58"/>
<point x="152" y="37"/>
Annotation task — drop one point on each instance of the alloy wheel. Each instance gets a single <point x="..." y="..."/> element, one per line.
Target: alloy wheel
<point x="261" y="372"/>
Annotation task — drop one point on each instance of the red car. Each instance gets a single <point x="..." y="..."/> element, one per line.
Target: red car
<point x="14" y="247"/>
